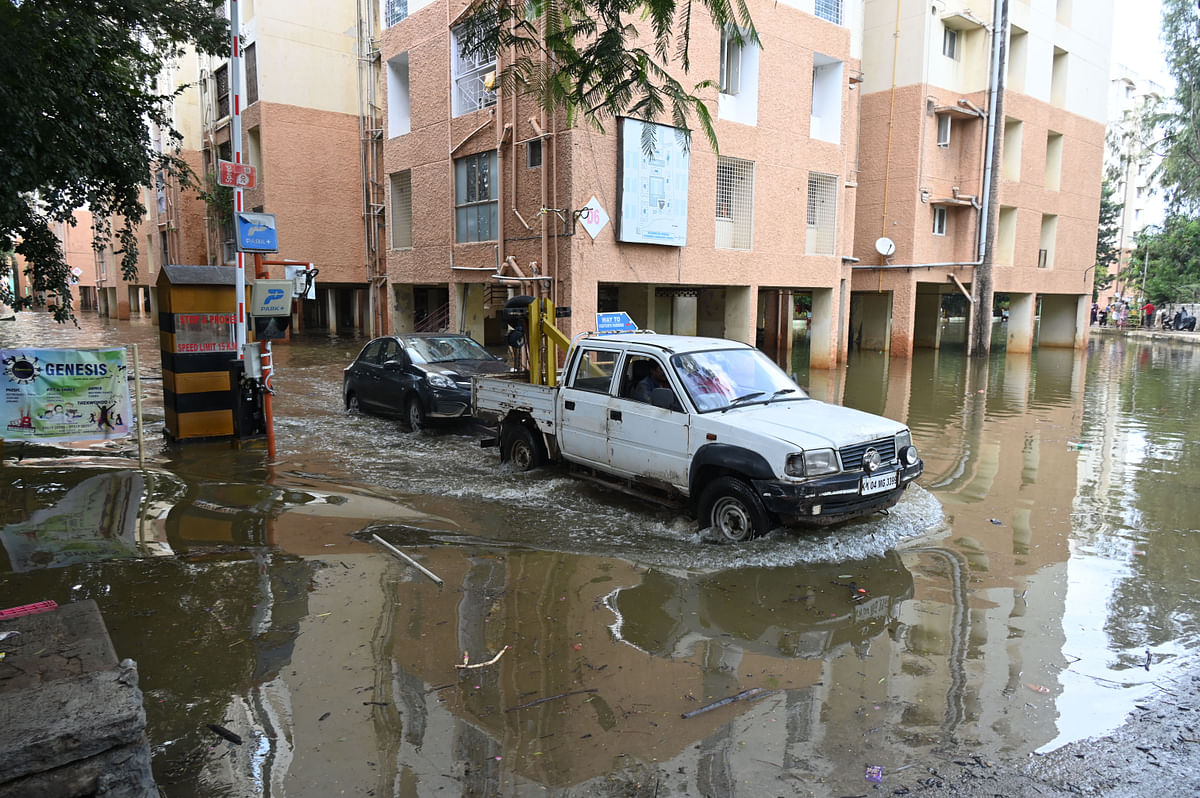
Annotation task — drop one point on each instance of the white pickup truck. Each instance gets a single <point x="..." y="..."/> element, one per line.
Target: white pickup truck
<point x="709" y="424"/>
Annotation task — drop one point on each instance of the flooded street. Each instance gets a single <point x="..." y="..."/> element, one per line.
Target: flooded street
<point x="1041" y="579"/>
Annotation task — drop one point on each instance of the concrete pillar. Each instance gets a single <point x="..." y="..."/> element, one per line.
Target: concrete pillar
<point x="331" y="313"/>
<point x="740" y="305"/>
<point x="635" y="300"/>
<point x="710" y="313"/>
<point x="900" y="319"/>
<point x="873" y="319"/>
<point x="402" y="307"/>
<point x="468" y="310"/>
<point x="927" y="326"/>
<point x="683" y="315"/>
<point x="121" y="302"/>
<point x="1082" y="325"/>
<point x="776" y="311"/>
<point x="1022" y="310"/>
<point x="1060" y="323"/>
<point x="822" y="330"/>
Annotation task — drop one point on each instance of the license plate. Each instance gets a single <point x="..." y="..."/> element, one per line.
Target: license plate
<point x="880" y="482"/>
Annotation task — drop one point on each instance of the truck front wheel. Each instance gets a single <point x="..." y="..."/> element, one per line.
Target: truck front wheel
<point x="519" y="447"/>
<point x="731" y="508"/>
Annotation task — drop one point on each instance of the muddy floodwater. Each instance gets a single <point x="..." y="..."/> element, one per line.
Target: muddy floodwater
<point x="1041" y="579"/>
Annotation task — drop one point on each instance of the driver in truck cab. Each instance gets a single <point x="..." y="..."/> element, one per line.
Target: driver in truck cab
<point x="657" y="378"/>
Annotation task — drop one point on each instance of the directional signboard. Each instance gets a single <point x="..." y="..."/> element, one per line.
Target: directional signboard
<point x="612" y="323"/>
<point x="256" y="232"/>
<point x="236" y="175"/>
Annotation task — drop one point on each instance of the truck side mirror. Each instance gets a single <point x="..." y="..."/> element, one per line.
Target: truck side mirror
<point x="664" y="398"/>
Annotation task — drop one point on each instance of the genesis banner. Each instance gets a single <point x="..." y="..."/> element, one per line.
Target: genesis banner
<point x="64" y="394"/>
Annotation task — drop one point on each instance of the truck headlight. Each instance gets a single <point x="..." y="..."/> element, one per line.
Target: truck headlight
<point x="903" y="439"/>
<point x="439" y="381"/>
<point x="908" y="455"/>
<point x="812" y="463"/>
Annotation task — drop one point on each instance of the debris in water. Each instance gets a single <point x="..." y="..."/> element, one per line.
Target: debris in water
<point x="411" y="561"/>
<point x="492" y="661"/>
<point x="221" y="731"/>
<point x="552" y="698"/>
<point x="751" y="693"/>
<point x="996" y="521"/>
<point x="1037" y="688"/>
<point x="874" y="774"/>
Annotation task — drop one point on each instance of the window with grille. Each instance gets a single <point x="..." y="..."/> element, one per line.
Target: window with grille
<point x="394" y="11"/>
<point x="822" y="214"/>
<point x="250" y="59"/>
<point x="473" y="77"/>
<point x="475" y="193"/>
<point x="830" y="10"/>
<point x="731" y="62"/>
<point x="401" y="217"/>
<point x="950" y="43"/>
<point x="939" y="221"/>
<point x="735" y="203"/>
<point x="221" y="77"/>
<point x="943" y="130"/>
<point x="160" y="192"/>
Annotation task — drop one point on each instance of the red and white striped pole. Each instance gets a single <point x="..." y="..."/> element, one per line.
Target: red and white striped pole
<point x="235" y="134"/>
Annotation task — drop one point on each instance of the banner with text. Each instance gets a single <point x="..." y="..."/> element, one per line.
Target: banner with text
<point x="65" y="395"/>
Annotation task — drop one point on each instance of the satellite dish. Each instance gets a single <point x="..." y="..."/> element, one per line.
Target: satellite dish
<point x="885" y="246"/>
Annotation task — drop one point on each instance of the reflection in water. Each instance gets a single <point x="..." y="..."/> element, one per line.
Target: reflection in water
<point x="804" y="612"/>
<point x="1024" y="617"/>
<point x="94" y="518"/>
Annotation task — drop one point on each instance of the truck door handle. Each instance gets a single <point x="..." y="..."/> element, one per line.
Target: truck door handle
<point x="569" y="405"/>
<point x="615" y="415"/>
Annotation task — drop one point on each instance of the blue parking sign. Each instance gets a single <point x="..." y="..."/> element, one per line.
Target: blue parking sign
<point x="612" y="323"/>
<point x="256" y="232"/>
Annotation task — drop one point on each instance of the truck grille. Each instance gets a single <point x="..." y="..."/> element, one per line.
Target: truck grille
<point x="852" y="456"/>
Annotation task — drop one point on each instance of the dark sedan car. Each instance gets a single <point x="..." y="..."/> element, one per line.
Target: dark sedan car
<point x="419" y="377"/>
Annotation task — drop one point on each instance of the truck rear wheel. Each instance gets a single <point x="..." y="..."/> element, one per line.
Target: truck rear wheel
<point x="519" y="447"/>
<point x="730" y="507"/>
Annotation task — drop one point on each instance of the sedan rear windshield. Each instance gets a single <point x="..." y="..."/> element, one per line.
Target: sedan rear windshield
<point x="439" y="349"/>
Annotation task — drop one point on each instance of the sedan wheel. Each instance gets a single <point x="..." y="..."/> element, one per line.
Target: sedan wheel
<point x="415" y="415"/>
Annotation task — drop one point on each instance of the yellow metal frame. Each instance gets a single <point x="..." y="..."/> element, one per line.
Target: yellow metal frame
<point x="544" y="342"/>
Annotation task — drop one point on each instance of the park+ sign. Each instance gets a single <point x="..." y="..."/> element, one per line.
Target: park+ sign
<point x="256" y="232"/>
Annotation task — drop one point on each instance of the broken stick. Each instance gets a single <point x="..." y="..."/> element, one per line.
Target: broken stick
<point x="537" y="701"/>
<point x="492" y="661"/>
<point x="753" y="691"/>
<point x="413" y="562"/>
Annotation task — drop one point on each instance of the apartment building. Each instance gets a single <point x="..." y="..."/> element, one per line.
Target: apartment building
<point x="481" y="183"/>
<point x="923" y="181"/>
<point x="302" y="130"/>
<point x="1129" y="163"/>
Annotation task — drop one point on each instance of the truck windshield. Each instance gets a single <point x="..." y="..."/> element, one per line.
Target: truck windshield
<point x="720" y="378"/>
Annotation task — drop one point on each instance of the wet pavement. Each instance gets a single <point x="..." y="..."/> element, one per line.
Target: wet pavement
<point x="1040" y="581"/>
